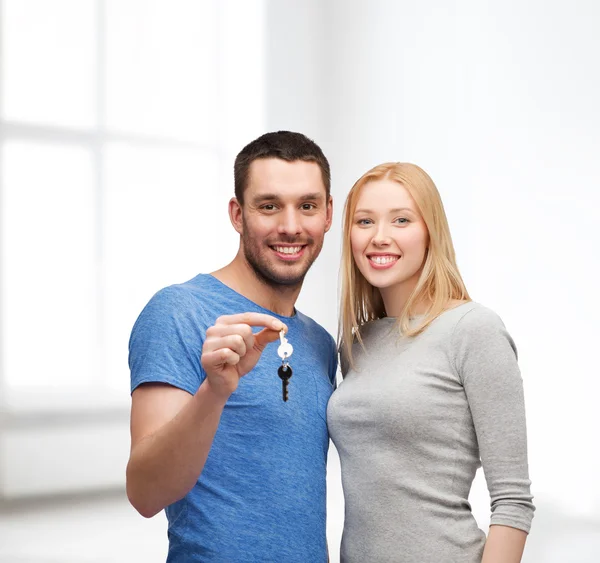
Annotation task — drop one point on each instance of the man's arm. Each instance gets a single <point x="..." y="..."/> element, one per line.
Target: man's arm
<point x="171" y="435"/>
<point x="172" y="431"/>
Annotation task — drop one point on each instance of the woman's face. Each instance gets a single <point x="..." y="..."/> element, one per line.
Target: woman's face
<point x="389" y="238"/>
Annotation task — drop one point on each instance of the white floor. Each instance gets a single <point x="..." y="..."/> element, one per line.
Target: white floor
<point x="105" y="529"/>
<point x="90" y="530"/>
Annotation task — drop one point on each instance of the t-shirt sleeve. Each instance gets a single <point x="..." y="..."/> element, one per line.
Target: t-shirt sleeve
<point x="486" y="361"/>
<point x="333" y="363"/>
<point x="166" y="342"/>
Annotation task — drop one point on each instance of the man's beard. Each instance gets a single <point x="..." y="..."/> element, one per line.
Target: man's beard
<point x="272" y="276"/>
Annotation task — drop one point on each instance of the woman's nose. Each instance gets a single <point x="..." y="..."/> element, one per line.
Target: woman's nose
<point x="381" y="237"/>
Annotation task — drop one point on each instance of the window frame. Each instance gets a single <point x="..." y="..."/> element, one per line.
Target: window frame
<point x="41" y="405"/>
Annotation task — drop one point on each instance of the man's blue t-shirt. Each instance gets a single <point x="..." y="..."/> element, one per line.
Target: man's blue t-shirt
<point x="261" y="495"/>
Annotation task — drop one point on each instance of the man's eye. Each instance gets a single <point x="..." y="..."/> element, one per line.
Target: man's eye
<point x="308" y="206"/>
<point x="268" y="207"/>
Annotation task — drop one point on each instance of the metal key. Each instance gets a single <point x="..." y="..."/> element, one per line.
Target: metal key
<point x="285" y="349"/>
<point x="284" y="372"/>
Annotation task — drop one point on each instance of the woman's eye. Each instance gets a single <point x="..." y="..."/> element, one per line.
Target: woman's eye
<point x="401" y="220"/>
<point x="364" y="222"/>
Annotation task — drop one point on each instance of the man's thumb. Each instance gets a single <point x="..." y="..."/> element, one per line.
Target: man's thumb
<point x="264" y="337"/>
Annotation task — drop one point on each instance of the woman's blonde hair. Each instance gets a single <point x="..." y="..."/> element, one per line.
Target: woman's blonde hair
<point x="440" y="282"/>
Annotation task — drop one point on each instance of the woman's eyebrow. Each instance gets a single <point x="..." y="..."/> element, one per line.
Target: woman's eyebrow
<point x="395" y="210"/>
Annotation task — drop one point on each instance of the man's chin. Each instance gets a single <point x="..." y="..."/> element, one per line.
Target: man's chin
<point x="279" y="273"/>
<point x="289" y="278"/>
<point x="286" y="280"/>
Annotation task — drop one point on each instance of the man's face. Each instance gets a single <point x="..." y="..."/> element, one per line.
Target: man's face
<point x="284" y="219"/>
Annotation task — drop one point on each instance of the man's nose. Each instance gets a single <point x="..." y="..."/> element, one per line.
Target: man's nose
<point x="290" y="222"/>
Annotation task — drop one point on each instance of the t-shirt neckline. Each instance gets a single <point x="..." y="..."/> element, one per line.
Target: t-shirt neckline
<point x="243" y="297"/>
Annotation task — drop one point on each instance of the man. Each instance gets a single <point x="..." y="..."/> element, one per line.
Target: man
<point x="240" y="472"/>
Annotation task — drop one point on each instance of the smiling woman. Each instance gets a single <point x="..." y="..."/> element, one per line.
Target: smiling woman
<point x="389" y="235"/>
<point x="394" y="220"/>
<point x="433" y="379"/>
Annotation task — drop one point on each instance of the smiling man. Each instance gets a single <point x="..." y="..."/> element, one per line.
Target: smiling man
<point x="239" y="472"/>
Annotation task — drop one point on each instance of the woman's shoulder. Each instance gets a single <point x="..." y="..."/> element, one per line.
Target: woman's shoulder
<point x="473" y="323"/>
<point x="471" y="315"/>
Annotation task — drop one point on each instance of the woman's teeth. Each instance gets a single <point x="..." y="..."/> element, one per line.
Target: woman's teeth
<point x="383" y="259"/>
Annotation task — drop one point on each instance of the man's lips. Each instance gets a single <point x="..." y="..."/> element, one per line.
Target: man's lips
<point x="288" y="251"/>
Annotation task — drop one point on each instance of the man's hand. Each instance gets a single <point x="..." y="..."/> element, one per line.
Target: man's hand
<point x="231" y="350"/>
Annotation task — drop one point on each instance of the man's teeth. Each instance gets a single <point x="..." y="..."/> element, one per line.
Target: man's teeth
<point x="383" y="259"/>
<point x="288" y="249"/>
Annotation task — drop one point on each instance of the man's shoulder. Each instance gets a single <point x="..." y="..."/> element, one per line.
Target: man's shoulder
<point x="179" y="300"/>
<point x="198" y="288"/>
<point x="310" y="322"/>
<point x="312" y="327"/>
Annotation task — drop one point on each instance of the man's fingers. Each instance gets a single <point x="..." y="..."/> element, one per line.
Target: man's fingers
<point x="262" y="338"/>
<point x="252" y="319"/>
<point x="220" y="357"/>
<point x="219" y="330"/>
<point x="234" y="342"/>
<point x="234" y="332"/>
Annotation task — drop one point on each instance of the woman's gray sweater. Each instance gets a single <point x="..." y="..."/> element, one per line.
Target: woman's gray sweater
<point x="413" y="421"/>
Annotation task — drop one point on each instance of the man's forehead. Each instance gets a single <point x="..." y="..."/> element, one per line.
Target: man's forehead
<point x="280" y="178"/>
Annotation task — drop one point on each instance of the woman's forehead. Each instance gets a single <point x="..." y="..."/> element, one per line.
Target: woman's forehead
<point x="384" y="194"/>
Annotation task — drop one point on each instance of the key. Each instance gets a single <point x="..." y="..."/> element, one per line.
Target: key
<point x="285" y="349"/>
<point x="284" y="372"/>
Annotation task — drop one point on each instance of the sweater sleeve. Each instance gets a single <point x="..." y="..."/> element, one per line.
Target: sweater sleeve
<point x="486" y="361"/>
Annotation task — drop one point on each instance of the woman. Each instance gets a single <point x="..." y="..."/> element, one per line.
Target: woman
<point x="431" y="388"/>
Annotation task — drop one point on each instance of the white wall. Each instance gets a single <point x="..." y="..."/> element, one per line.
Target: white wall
<point x="296" y="70"/>
<point x="498" y="102"/>
<point x="154" y="211"/>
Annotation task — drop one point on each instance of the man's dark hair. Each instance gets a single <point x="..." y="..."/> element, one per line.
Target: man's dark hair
<point x="285" y="145"/>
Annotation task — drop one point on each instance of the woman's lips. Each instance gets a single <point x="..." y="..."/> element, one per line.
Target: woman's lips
<point x="382" y="261"/>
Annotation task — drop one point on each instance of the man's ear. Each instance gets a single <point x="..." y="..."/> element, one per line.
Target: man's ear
<point x="329" y="216"/>
<point x="236" y="215"/>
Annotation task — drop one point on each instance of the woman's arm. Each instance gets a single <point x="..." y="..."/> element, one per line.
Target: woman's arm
<point x="486" y="361"/>
<point x="504" y="545"/>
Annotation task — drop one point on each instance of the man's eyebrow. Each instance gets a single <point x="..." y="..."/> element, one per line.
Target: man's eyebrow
<point x="265" y="197"/>
<point x="313" y="196"/>
<point x="274" y="197"/>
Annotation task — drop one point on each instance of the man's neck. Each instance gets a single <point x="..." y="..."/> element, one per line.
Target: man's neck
<point x="239" y="276"/>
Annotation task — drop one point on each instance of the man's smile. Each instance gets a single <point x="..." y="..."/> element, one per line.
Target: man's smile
<point x="288" y="252"/>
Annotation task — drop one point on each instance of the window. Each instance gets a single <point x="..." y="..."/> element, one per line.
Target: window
<point x="119" y="122"/>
